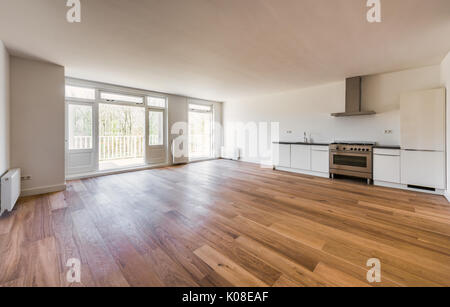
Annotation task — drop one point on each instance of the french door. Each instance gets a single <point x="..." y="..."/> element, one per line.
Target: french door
<point x="113" y="128"/>
<point x="156" y="132"/>
<point x="81" y="141"/>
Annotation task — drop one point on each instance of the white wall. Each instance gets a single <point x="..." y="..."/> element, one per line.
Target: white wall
<point x="4" y="110"/>
<point x="445" y="78"/>
<point x="37" y="124"/>
<point x="308" y="110"/>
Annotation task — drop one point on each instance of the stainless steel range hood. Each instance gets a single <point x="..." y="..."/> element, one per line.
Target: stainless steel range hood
<point x="353" y="99"/>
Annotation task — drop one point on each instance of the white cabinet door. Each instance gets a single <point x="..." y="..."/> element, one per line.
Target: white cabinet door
<point x="386" y="168"/>
<point x="301" y="157"/>
<point x="423" y="168"/>
<point x="422" y="119"/>
<point x="320" y="160"/>
<point x="282" y="155"/>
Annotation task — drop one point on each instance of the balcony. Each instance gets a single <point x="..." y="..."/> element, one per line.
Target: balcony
<point x="115" y="152"/>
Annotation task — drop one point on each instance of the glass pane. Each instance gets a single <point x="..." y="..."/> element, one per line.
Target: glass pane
<point x="119" y="97"/>
<point x="121" y="136"/>
<point x="156" y="102"/>
<point x="80" y="92"/>
<point x="80" y="127"/>
<point x="200" y="135"/>
<point x="156" y="128"/>
<point x="199" y="107"/>
<point x="350" y="160"/>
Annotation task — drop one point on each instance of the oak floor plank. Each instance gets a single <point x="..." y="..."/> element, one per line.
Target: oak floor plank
<point x="94" y="252"/>
<point x="225" y="223"/>
<point x="42" y="264"/>
<point x="229" y="270"/>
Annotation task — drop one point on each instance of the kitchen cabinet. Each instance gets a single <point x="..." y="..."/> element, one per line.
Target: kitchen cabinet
<point x="423" y="168"/>
<point x="320" y="159"/>
<point x="422" y="120"/>
<point x="301" y="157"/>
<point x="386" y="165"/>
<point x="283" y="154"/>
<point x="308" y="159"/>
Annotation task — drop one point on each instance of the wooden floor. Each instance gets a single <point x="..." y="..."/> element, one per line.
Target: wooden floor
<point x="224" y="223"/>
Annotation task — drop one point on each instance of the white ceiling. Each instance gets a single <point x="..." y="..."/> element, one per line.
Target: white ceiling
<point x="227" y="49"/>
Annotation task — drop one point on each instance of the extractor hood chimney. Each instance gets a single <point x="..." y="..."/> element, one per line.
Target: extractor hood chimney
<point x="353" y="99"/>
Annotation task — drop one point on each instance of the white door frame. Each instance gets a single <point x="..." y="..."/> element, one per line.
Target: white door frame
<point x="93" y="151"/>
<point x="156" y="153"/>
<point x="103" y="87"/>
<point x="211" y="112"/>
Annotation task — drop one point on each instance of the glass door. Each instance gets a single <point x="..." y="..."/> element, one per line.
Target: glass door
<point x="200" y="132"/>
<point x="112" y="128"/>
<point x="156" y="130"/>
<point x="81" y="143"/>
<point x="121" y="136"/>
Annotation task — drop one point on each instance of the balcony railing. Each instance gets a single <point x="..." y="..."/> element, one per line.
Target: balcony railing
<point x="199" y="146"/>
<point x="112" y="147"/>
<point x="121" y="147"/>
<point x="130" y="147"/>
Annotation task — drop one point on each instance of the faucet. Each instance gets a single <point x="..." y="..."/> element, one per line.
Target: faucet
<point x="305" y="138"/>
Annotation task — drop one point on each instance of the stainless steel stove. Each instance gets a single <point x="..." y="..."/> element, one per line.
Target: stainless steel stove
<point x="352" y="159"/>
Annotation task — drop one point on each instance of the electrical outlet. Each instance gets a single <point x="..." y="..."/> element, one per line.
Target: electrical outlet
<point x="26" y="178"/>
<point x="387" y="131"/>
<point x="289" y="132"/>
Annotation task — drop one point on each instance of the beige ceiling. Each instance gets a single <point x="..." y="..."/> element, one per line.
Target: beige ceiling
<point x="227" y="49"/>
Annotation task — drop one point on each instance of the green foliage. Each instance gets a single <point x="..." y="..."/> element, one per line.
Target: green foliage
<point x="115" y="120"/>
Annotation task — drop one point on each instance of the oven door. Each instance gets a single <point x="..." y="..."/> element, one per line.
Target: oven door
<point x="351" y="162"/>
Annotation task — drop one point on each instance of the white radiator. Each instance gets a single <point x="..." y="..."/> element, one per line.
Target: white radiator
<point x="10" y="190"/>
<point x="232" y="153"/>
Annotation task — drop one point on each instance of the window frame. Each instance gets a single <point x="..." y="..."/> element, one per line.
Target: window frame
<point x="121" y="90"/>
<point x="212" y="113"/>
<point x="158" y="97"/>
<point x="67" y="98"/>
<point x="122" y="102"/>
<point x="159" y="110"/>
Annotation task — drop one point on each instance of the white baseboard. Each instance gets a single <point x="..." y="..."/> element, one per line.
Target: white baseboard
<point x="406" y="188"/>
<point x="447" y="195"/>
<point x="311" y="173"/>
<point x="43" y="190"/>
<point x="115" y="172"/>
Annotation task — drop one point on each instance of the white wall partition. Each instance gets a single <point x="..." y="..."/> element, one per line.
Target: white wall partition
<point x="445" y="80"/>
<point x="4" y="109"/>
<point x="37" y="124"/>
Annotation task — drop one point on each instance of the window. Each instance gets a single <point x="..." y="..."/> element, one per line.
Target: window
<point x="199" y="107"/>
<point x="156" y="128"/>
<point x="124" y="98"/>
<point x="80" y="127"/>
<point x="80" y="92"/>
<point x="156" y="102"/>
<point x="200" y="131"/>
<point x="112" y="127"/>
